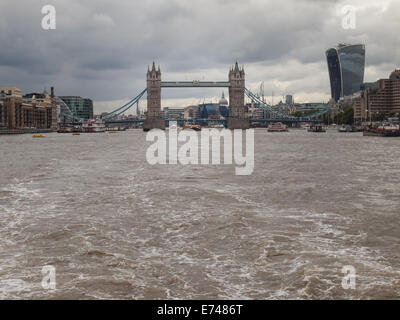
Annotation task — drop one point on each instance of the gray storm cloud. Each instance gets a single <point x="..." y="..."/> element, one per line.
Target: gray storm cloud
<point x="101" y="49"/>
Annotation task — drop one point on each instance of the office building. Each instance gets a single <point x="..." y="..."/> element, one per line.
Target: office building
<point x="346" y="64"/>
<point x="80" y="107"/>
<point x="173" y="113"/>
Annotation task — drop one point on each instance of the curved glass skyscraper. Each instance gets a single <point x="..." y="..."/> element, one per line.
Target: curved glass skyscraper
<point x="346" y="65"/>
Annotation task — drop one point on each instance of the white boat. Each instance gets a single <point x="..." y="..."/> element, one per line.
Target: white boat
<point x="316" y="128"/>
<point x="217" y="126"/>
<point x="344" y="128"/>
<point x="277" y="127"/>
<point x="93" y="126"/>
<point x="172" y="125"/>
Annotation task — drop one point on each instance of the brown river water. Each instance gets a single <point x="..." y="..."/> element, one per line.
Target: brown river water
<point x="115" y="227"/>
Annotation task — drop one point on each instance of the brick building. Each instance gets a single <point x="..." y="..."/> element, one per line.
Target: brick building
<point x="373" y="103"/>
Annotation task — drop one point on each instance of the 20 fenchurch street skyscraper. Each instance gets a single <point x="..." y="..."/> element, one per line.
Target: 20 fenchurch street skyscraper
<point x="346" y="65"/>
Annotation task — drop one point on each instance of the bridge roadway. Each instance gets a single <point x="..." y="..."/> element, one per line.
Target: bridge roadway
<point x="218" y="121"/>
<point x="194" y="84"/>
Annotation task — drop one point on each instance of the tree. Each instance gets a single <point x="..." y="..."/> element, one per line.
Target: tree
<point x="346" y="117"/>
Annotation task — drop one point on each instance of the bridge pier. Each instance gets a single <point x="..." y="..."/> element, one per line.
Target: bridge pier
<point x="149" y="124"/>
<point x="238" y="124"/>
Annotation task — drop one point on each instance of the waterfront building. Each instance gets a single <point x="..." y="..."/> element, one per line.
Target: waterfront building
<point x="191" y="112"/>
<point x="173" y="113"/>
<point x="213" y="111"/>
<point x="346" y="64"/>
<point x="33" y="111"/>
<point x="11" y="92"/>
<point x="208" y="110"/>
<point x="3" y="114"/>
<point x="254" y="112"/>
<point x="80" y="107"/>
<point x="378" y="101"/>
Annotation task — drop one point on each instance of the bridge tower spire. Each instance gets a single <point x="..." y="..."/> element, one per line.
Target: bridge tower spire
<point x="237" y="119"/>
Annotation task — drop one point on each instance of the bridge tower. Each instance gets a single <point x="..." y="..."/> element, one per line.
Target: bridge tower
<point x="153" y="117"/>
<point x="237" y="119"/>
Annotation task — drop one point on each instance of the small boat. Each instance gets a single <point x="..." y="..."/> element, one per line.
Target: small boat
<point x="316" y="128"/>
<point x="39" y="136"/>
<point x="383" y="130"/>
<point x="277" y="127"/>
<point x="217" y="126"/>
<point x="112" y="131"/>
<point x="94" y="126"/>
<point x="76" y="133"/>
<point x="347" y="128"/>
<point x="115" y="129"/>
<point x="65" y="129"/>
<point x="194" y="127"/>
<point x="172" y="125"/>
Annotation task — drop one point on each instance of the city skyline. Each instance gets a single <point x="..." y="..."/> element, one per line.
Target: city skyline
<point x="96" y="52"/>
<point x="199" y="156"/>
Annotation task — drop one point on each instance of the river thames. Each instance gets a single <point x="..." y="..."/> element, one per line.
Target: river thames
<point x="115" y="227"/>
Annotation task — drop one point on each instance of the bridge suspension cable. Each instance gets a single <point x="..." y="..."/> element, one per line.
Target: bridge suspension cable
<point x="125" y="107"/>
<point x="264" y="105"/>
<point x="278" y="113"/>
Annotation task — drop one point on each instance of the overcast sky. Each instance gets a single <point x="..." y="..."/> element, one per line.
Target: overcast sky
<point x="101" y="49"/>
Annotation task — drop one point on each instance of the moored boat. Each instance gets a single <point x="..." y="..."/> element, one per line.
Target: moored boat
<point x="316" y="128"/>
<point x="217" y="126"/>
<point x="277" y="127"/>
<point x="383" y="130"/>
<point x="194" y="127"/>
<point x="344" y="128"/>
<point x="65" y="129"/>
<point x="94" y="126"/>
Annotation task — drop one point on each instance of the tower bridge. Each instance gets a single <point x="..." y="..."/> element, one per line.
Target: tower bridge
<point x="235" y="83"/>
<point x="237" y="92"/>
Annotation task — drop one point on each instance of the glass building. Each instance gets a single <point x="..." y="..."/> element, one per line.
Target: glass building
<point x="80" y="107"/>
<point x="346" y="65"/>
<point x="210" y="110"/>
